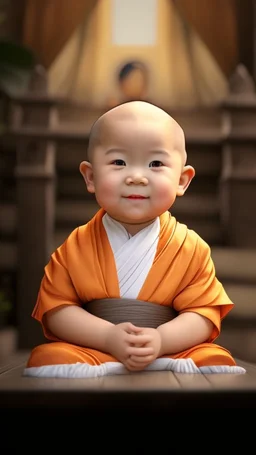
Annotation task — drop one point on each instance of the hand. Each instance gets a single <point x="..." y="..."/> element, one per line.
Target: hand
<point x="140" y="362"/>
<point x="126" y="341"/>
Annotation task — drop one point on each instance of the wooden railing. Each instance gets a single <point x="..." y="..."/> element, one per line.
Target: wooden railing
<point x="36" y="124"/>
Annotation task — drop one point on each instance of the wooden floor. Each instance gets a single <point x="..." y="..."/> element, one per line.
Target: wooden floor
<point x="150" y="390"/>
<point x="66" y="412"/>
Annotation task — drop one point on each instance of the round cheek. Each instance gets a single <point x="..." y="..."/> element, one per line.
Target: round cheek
<point x="105" y="188"/>
<point x="164" y="192"/>
<point x="106" y="191"/>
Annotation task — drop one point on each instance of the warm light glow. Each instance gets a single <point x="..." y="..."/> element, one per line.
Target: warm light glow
<point x="134" y="23"/>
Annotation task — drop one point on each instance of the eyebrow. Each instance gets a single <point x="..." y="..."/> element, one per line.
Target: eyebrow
<point x="152" y="152"/>
<point x="160" y="152"/>
<point x="109" y="151"/>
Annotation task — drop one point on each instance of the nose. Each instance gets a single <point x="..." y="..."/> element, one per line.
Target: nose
<point x="136" y="179"/>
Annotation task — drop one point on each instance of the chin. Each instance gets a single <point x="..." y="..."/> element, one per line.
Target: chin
<point x="138" y="220"/>
<point x="134" y="218"/>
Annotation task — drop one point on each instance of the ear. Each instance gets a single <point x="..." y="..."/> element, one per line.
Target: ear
<point x="187" y="175"/>
<point x="87" y="173"/>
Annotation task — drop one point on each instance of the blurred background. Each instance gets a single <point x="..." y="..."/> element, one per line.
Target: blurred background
<point x="62" y="64"/>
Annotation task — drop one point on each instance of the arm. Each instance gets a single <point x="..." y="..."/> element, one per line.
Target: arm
<point x="75" y="325"/>
<point x="183" y="332"/>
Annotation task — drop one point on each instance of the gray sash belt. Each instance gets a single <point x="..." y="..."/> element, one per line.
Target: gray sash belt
<point x="138" y="312"/>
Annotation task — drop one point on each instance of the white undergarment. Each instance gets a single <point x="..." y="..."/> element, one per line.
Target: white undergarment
<point x="134" y="255"/>
<point x="83" y="370"/>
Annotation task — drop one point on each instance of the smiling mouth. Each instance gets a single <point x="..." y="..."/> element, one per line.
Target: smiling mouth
<point x="136" y="196"/>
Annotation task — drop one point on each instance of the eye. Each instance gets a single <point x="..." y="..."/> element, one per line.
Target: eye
<point x="118" y="162"/>
<point x="155" y="163"/>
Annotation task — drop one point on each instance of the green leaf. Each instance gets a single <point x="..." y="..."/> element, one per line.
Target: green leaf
<point x="16" y="66"/>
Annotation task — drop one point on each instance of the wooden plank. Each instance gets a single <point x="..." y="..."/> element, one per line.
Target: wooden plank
<point x="81" y="133"/>
<point x="14" y="361"/>
<point x="144" y="381"/>
<point x="140" y="394"/>
<point x="193" y="381"/>
<point x="39" y="99"/>
<point x="246" y="382"/>
<point x="11" y="378"/>
<point x="235" y="265"/>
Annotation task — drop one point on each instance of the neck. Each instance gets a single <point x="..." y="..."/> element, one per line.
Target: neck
<point x="134" y="228"/>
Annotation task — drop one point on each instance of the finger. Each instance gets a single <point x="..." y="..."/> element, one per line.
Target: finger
<point x="140" y="359"/>
<point x="134" y="369"/>
<point x="139" y="352"/>
<point x="130" y="328"/>
<point x="132" y="366"/>
<point x="139" y="339"/>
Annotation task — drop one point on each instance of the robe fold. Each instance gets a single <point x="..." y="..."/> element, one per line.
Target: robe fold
<point x="179" y="273"/>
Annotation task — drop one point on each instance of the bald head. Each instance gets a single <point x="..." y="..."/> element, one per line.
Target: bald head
<point x="136" y="111"/>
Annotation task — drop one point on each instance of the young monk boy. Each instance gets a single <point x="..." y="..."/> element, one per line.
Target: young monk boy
<point x="133" y="248"/>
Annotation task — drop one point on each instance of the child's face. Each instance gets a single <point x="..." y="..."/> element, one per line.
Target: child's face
<point x="136" y="173"/>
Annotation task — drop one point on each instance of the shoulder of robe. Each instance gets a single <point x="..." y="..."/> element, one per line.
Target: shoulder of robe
<point x="202" y="251"/>
<point x="194" y="244"/>
<point x="73" y="238"/>
<point x="76" y="240"/>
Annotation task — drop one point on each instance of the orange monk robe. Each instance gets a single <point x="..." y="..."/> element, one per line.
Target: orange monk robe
<point x="182" y="276"/>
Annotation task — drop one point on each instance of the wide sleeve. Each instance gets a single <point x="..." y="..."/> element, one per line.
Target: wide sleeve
<point x="56" y="288"/>
<point x="204" y="294"/>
